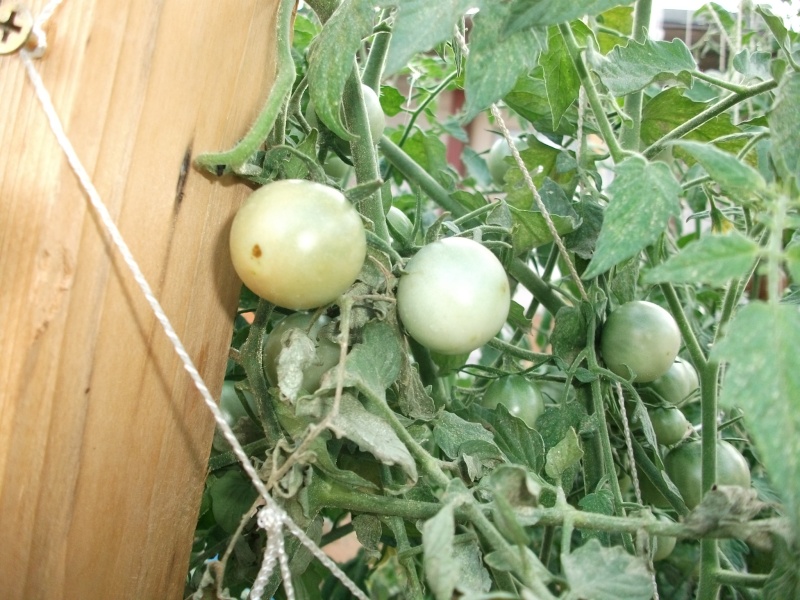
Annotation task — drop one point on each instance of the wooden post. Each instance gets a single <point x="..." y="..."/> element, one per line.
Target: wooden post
<point x="103" y="438"/>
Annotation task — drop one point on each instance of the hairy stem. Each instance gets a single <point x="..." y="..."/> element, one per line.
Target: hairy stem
<point x="631" y="132"/>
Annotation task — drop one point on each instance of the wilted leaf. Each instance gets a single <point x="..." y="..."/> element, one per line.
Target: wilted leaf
<point x="521" y="444"/>
<point x="644" y="197"/>
<point x="714" y="259"/>
<point x="232" y="495"/>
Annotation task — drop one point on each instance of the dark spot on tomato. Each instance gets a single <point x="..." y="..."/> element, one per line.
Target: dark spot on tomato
<point x="257" y="251"/>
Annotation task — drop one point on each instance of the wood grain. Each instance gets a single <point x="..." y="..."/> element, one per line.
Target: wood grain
<point x="103" y="438"/>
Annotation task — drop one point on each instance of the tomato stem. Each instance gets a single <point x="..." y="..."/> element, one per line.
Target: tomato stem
<point x="631" y="131"/>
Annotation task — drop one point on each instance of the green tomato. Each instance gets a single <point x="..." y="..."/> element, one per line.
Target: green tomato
<point x="495" y="159"/>
<point x="684" y="467"/>
<point x="230" y="405"/>
<point x="519" y="395"/>
<point x="297" y="243"/>
<point x="669" y="424"/>
<point x="678" y="383"/>
<point x="641" y="337"/>
<point x="335" y="167"/>
<point x="663" y="545"/>
<point x="327" y="353"/>
<point x="453" y="296"/>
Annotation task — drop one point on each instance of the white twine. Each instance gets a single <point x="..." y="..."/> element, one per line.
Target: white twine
<point x="275" y="518"/>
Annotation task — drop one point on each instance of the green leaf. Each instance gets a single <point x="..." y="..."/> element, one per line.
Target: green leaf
<point x="324" y="462"/>
<point x="451" y="432"/>
<point x="776" y="26"/>
<point x="372" y="434"/>
<point x="606" y="574"/>
<point x="564" y="455"/>
<point x="561" y="79"/>
<point x="755" y="65"/>
<point x="644" y="197"/>
<point x="793" y="259"/>
<point x="541" y="13"/>
<point x="441" y="569"/>
<point x="529" y="228"/>
<point x="429" y="152"/>
<point x="391" y="100"/>
<point x="784" y="127"/>
<point x="232" y="495"/>
<point x="496" y="58"/>
<point x="331" y="60"/>
<point x="521" y="444"/>
<point x="583" y="240"/>
<point x="515" y="484"/>
<point x="368" y="531"/>
<point x="630" y="68"/>
<point x="619" y="20"/>
<point x="670" y="109"/>
<point x="600" y="502"/>
<point x="528" y="97"/>
<point x="569" y="334"/>
<point x="473" y="576"/>
<point x="419" y="25"/>
<point x="762" y="379"/>
<point x="714" y="259"/>
<point x="734" y="176"/>
<point x="374" y="364"/>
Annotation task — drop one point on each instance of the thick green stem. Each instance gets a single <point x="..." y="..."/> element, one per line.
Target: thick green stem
<point x="398" y="527"/>
<point x="409" y="167"/>
<point x="373" y="71"/>
<point x="535" y="285"/>
<point x="631" y="132"/>
<point x="737" y="579"/>
<point x="708" y="114"/>
<point x="516" y="351"/>
<point x="614" y="148"/>
<point x="709" y="557"/>
<point x="220" y="163"/>
<point x="362" y="149"/>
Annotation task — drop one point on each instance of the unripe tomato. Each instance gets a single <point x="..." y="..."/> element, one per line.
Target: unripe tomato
<point x="335" y="167"/>
<point x="498" y="167"/>
<point x="678" y="383"/>
<point x="327" y="352"/>
<point x="663" y="545"/>
<point x="684" y="465"/>
<point x="641" y="337"/>
<point x="518" y="394"/>
<point x="669" y="424"/>
<point x="230" y="405"/>
<point x="454" y="296"/>
<point x="297" y="243"/>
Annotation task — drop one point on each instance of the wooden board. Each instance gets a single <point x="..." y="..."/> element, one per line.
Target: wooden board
<point x="103" y="439"/>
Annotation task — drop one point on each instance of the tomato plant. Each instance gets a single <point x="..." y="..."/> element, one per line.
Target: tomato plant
<point x="453" y="296"/>
<point x="298" y="244"/>
<point x="640" y="338"/>
<point x="519" y="395"/>
<point x="650" y="177"/>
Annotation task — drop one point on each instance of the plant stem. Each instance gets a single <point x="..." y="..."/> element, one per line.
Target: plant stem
<point x="689" y="338"/>
<point x="222" y="162"/>
<point x="252" y="353"/>
<point x="709" y="557"/>
<point x="516" y="351"/>
<point x="708" y="114"/>
<point x="422" y="105"/>
<point x="398" y="527"/>
<point x="737" y="579"/>
<point x="614" y="148"/>
<point x="362" y="149"/>
<point x="720" y="82"/>
<point x="409" y="167"/>
<point x="535" y="285"/>
<point x="631" y="133"/>
<point x="373" y="71"/>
